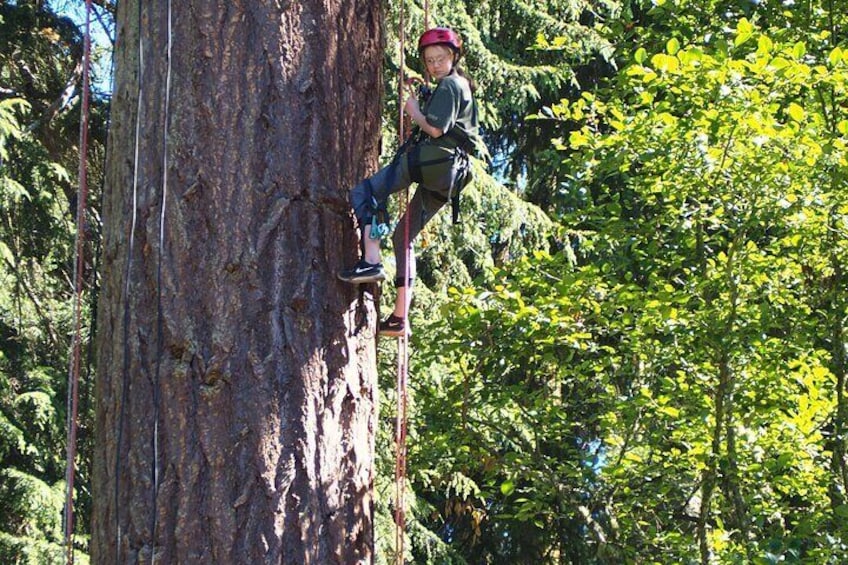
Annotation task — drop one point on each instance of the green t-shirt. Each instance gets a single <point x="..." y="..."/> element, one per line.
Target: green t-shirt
<point x="452" y="106"/>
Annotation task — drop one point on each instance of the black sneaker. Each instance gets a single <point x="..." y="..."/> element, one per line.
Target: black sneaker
<point x="363" y="272"/>
<point x="393" y="327"/>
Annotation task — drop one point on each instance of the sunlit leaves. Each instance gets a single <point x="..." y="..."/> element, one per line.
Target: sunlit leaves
<point x="665" y="63"/>
<point x="744" y="32"/>
<point x="709" y="169"/>
<point x="795" y="111"/>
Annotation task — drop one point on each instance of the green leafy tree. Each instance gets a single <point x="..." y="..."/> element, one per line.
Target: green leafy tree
<point x="40" y="80"/>
<point x="705" y="206"/>
<point x="31" y="405"/>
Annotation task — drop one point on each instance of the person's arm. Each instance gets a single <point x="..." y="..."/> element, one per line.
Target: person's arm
<point x="414" y="110"/>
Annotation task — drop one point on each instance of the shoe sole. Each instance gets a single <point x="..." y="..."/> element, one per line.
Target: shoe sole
<point x="393" y="333"/>
<point x="363" y="280"/>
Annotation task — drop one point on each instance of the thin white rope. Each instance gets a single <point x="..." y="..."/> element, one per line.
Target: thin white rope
<point x="159" y="281"/>
<point x="135" y="151"/>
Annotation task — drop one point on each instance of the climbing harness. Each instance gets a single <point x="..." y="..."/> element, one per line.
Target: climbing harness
<point x="74" y="366"/>
<point x="380" y="214"/>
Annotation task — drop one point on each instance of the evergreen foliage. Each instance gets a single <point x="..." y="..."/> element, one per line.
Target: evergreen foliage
<point x="39" y="130"/>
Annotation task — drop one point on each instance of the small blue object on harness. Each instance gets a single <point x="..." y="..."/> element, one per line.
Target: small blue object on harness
<point x="378" y="229"/>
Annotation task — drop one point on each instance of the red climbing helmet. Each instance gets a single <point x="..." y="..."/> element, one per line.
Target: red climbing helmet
<point x="441" y="36"/>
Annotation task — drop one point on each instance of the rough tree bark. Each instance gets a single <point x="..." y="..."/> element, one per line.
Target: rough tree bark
<point x="236" y="383"/>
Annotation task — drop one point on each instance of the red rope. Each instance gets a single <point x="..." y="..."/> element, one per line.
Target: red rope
<point x="74" y="369"/>
<point x="400" y="459"/>
<point x="401" y="419"/>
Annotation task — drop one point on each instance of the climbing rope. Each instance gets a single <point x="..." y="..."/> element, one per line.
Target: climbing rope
<point x="159" y="310"/>
<point x="401" y="418"/>
<point x="120" y="424"/>
<point x="403" y="350"/>
<point x="74" y="365"/>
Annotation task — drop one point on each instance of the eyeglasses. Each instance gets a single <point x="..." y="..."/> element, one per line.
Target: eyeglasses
<point x="436" y="60"/>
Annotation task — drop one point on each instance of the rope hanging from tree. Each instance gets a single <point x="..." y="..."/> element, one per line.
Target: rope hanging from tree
<point x="124" y="385"/>
<point x="403" y="352"/>
<point x="401" y="420"/>
<point x="166" y="122"/>
<point x="74" y="364"/>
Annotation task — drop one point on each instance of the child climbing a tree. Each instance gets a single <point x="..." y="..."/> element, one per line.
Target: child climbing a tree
<point x="435" y="157"/>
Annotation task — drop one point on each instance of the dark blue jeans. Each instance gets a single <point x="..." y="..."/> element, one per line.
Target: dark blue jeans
<point x="428" y="199"/>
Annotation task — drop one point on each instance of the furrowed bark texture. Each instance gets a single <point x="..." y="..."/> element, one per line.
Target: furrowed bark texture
<point x="236" y="389"/>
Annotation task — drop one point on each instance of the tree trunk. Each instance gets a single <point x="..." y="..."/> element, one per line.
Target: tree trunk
<point x="722" y="408"/>
<point x="236" y="383"/>
<point x="835" y="306"/>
